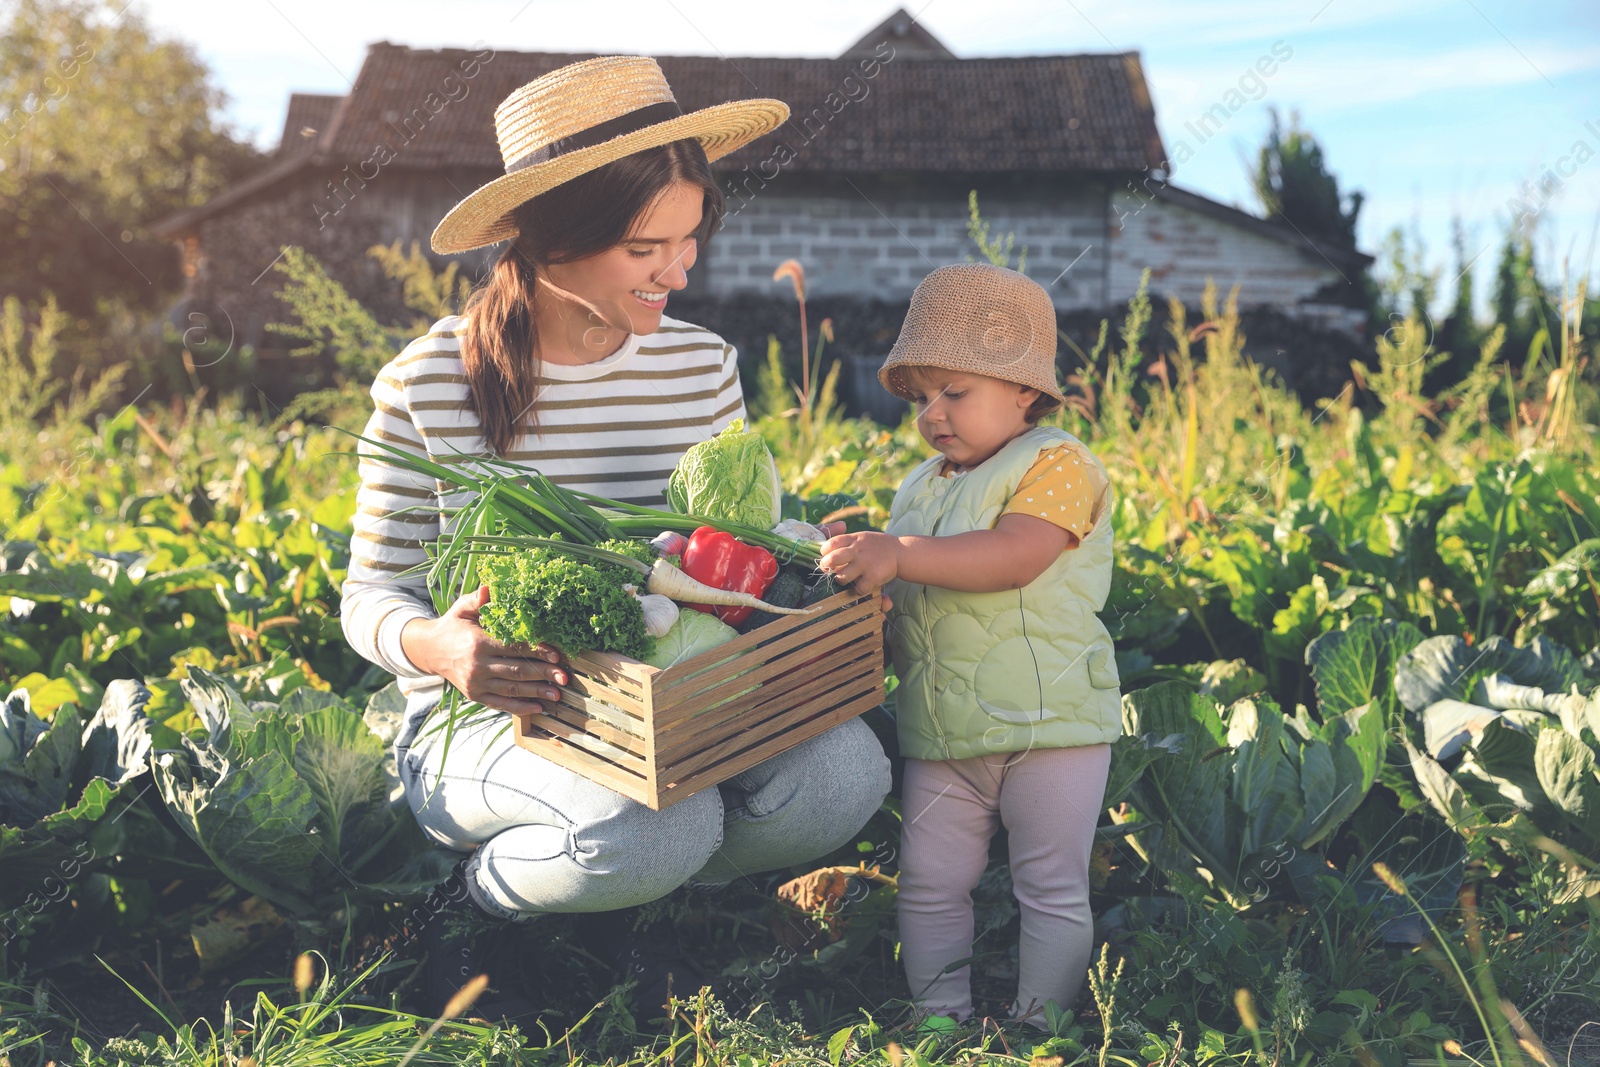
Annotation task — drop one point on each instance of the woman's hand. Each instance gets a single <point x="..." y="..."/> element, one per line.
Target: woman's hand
<point x="511" y="678"/>
<point x="866" y="560"/>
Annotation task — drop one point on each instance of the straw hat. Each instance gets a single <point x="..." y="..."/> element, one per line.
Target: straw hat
<point x="980" y="319"/>
<point x="580" y="117"/>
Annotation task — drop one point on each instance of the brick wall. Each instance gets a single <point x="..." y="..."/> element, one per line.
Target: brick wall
<point x="1183" y="247"/>
<point x="878" y="239"/>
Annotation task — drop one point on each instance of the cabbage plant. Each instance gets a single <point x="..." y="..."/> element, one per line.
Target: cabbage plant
<point x="1240" y="789"/>
<point x="62" y="785"/>
<point x="292" y="803"/>
<point x="1510" y="746"/>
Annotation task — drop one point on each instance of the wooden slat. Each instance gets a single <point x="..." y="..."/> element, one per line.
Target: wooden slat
<point x="624" y="724"/>
<point x="616" y="670"/>
<point x="743" y="692"/>
<point x="652" y="765"/>
<point x="606" y="712"/>
<point x="625" y="681"/>
<point x="747" y="641"/>
<point x="631" y="704"/>
<point x="763" y="723"/>
<point x="737" y="764"/>
<point x="750" y="713"/>
<point x="714" y="725"/>
<point x="590" y="766"/>
<point x="679" y="684"/>
<point x="776" y="727"/>
<point x="718" y="659"/>
<point x="862" y="638"/>
<point x="575" y="736"/>
<point x="634" y="743"/>
<point x="752" y="668"/>
<point x="795" y="733"/>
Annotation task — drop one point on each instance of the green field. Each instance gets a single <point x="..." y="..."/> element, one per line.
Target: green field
<point x="1309" y="596"/>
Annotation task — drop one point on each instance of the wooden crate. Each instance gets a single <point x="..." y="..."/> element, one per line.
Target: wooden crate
<point x="658" y="736"/>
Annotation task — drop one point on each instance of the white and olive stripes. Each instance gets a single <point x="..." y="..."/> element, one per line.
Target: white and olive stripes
<point x="616" y="428"/>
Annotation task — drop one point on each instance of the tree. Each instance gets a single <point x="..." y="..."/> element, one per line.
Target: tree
<point x="1407" y="283"/>
<point x="1294" y="184"/>
<point x="1458" y="334"/>
<point x="104" y="127"/>
<point x="1521" y="302"/>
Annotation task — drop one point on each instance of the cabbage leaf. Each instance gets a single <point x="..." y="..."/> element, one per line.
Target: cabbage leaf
<point x="732" y="478"/>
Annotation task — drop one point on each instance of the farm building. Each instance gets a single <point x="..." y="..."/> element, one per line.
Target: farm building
<point x="867" y="185"/>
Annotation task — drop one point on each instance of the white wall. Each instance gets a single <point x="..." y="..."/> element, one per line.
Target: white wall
<point x="1182" y="247"/>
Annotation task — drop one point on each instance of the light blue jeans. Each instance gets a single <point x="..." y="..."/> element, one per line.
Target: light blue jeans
<point x="545" y="839"/>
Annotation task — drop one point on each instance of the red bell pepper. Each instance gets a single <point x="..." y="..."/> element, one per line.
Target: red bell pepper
<point x="722" y="561"/>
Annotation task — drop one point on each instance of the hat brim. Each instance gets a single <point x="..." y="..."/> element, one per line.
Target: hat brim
<point x="892" y="376"/>
<point x="484" y="216"/>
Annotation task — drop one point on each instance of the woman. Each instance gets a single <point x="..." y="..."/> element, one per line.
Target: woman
<point x="564" y="361"/>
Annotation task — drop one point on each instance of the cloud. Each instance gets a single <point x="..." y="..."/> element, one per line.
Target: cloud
<point x="1364" y="75"/>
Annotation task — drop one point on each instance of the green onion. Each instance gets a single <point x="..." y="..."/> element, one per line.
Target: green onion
<point x="529" y="503"/>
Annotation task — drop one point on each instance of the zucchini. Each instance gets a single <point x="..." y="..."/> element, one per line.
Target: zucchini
<point x="821" y="589"/>
<point x="786" y="591"/>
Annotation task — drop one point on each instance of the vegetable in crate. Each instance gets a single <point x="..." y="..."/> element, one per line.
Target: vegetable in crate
<point x="661" y="579"/>
<point x="660" y="613"/>
<point x="823" y="585"/>
<point x="731" y="478"/>
<point x="722" y="561"/>
<point x="692" y="634"/>
<point x="786" y="591"/>
<point x="544" y="594"/>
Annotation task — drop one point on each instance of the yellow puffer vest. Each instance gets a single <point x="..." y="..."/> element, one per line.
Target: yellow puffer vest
<point x="1025" y="668"/>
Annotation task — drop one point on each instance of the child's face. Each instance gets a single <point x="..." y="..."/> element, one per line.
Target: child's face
<point x="967" y="417"/>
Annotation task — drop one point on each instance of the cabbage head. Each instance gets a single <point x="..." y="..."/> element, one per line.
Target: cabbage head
<point x="731" y="477"/>
<point x="693" y="633"/>
<point x="696" y="632"/>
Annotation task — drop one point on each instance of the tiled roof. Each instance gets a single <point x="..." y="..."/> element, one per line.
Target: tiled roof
<point x="908" y="37"/>
<point x="1033" y="113"/>
<point x="1029" y="114"/>
<point x="310" y="116"/>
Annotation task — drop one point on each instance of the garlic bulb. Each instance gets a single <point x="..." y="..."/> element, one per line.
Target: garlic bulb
<point x="659" y="611"/>
<point x="799" y="531"/>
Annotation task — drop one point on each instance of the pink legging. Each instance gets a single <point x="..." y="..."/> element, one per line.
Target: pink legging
<point x="1049" y="800"/>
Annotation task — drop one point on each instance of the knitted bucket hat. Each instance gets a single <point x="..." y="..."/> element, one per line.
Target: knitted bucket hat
<point x="980" y="319"/>
<point x="583" y="116"/>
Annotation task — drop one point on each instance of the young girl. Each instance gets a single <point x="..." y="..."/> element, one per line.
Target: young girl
<point x="996" y="557"/>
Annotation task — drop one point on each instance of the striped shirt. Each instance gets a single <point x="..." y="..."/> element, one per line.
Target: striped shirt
<point x="615" y="427"/>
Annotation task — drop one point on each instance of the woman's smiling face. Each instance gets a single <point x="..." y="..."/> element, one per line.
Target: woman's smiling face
<point x="628" y="284"/>
<point x="967" y="417"/>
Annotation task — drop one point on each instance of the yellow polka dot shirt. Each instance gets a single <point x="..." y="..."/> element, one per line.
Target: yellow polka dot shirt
<point x="1057" y="488"/>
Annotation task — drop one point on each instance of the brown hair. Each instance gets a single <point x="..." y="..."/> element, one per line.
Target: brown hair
<point x="1043" y="404"/>
<point x="577" y="219"/>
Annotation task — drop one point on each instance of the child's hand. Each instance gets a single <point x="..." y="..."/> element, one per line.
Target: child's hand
<point x="867" y="560"/>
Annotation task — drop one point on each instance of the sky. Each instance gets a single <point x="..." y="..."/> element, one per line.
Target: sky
<point x="1433" y="109"/>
